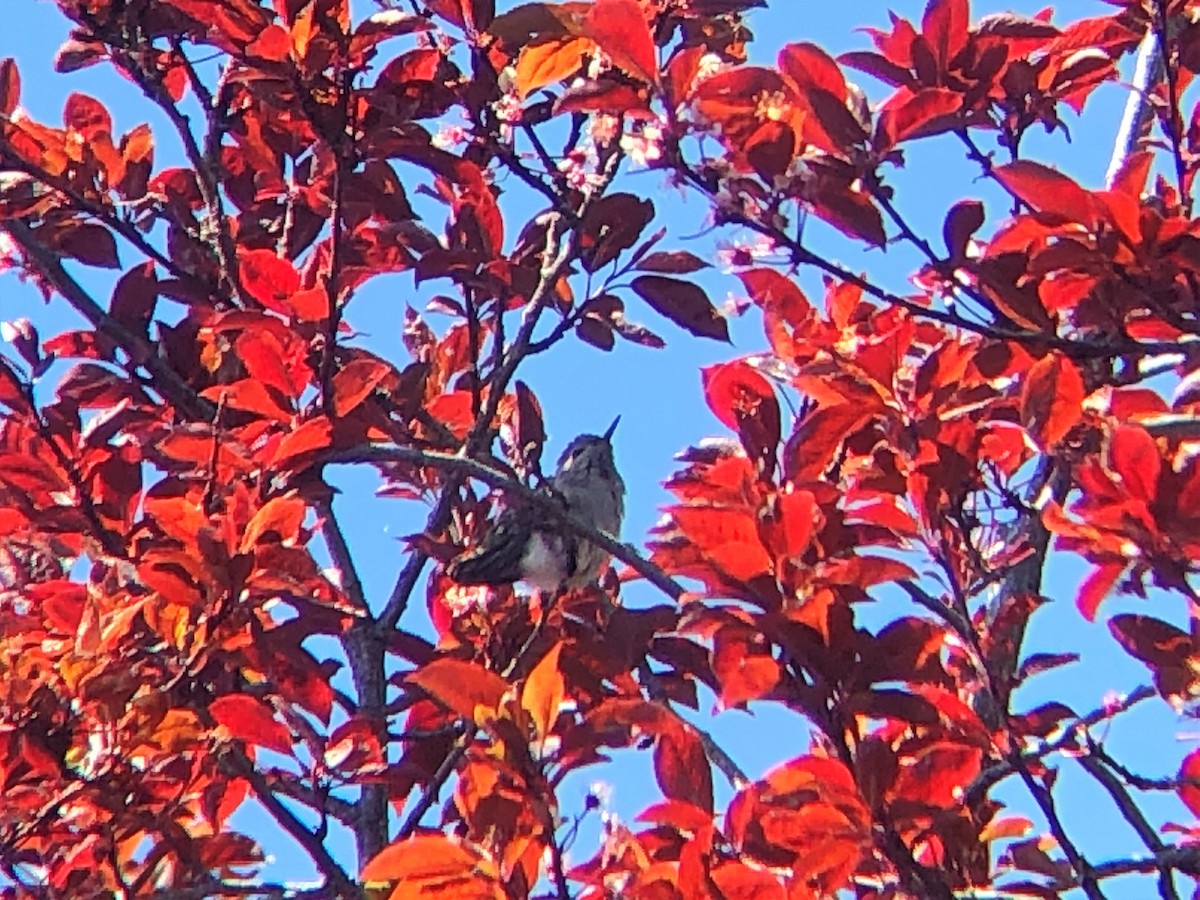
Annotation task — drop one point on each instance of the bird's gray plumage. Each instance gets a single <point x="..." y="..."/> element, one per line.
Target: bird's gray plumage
<point x="522" y="545"/>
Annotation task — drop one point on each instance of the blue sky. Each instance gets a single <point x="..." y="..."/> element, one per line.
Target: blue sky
<point x="658" y="393"/>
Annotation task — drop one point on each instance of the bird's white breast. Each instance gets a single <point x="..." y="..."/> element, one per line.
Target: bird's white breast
<point x="542" y="564"/>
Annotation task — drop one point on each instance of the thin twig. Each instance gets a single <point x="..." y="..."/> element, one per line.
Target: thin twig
<point x="1041" y="794"/>
<point x="1173" y="121"/>
<point x="1134" y="816"/>
<point x="429" y="793"/>
<point x="335" y="875"/>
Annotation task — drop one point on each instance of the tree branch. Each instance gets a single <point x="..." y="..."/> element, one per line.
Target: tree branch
<point x="524" y="494"/>
<point x="336" y="876"/>
<point x="167" y="381"/>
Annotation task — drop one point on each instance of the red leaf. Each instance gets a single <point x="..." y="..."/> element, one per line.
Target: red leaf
<point x="134" y="297"/>
<point x="906" y="115"/>
<point x="937" y="774"/>
<point x="1048" y="191"/>
<point x="811" y="67"/>
<point x="603" y="96"/>
<point x="356" y="381"/>
<point x="671" y="262"/>
<point x="10" y="86"/>
<point x="1135" y="457"/>
<point x="596" y="332"/>
<point x="263" y="356"/>
<point x="878" y="65"/>
<point x="681" y="767"/>
<point x="743" y="674"/>
<point x="852" y="212"/>
<point x="799" y="515"/>
<point x="745" y="401"/>
<point x="87" y="116"/>
<point x="268" y="279"/>
<point x="738" y="881"/>
<point x="249" y="395"/>
<point x="683" y="303"/>
<point x="315" y="434"/>
<point x="1156" y="643"/>
<point x="246" y="718"/>
<point x="1131" y="177"/>
<point x="944" y="27"/>
<point x="1189" y="770"/>
<point x="478" y="14"/>
<point x="1052" y="399"/>
<point x="619" y="28"/>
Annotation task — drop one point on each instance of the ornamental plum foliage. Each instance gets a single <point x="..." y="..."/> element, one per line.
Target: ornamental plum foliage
<point x="185" y="627"/>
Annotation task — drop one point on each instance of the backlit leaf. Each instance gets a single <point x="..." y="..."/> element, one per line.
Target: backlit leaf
<point x="549" y="61"/>
<point x="619" y="28"/>
<point x="465" y="688"/>
<point x="1048" y="191"/>
<point x="280" y="517"/>
<point x="544" y="692"/>
<point x="1189" y="776"/>
<point x="1052" y="399"/>
<point x="1135" y="457"/>
<point x="246" y="718"/>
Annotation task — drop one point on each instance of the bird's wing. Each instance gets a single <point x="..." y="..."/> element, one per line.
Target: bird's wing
<point x="496" y="559"/>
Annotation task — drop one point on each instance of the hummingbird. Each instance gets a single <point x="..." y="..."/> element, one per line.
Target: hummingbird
<point x="521" y="545"/>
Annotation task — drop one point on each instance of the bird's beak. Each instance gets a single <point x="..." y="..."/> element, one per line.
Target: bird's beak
<point x="611" y="428"/>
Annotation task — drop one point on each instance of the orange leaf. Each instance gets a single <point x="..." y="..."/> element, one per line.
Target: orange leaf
<point x="548" y="61"/>
<point x="423" y="857"/>
<point x="281" y="516"/>
<point x="466" y="688"/>
<point x="246" y="718"/>
<point x="355" y="381"/>
<point x="1005" y="827"/>
<point x="619" y="28"/>
<point x="544" y="691"/>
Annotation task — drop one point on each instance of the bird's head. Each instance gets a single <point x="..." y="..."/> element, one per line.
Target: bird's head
<point x="590" y="454"/>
